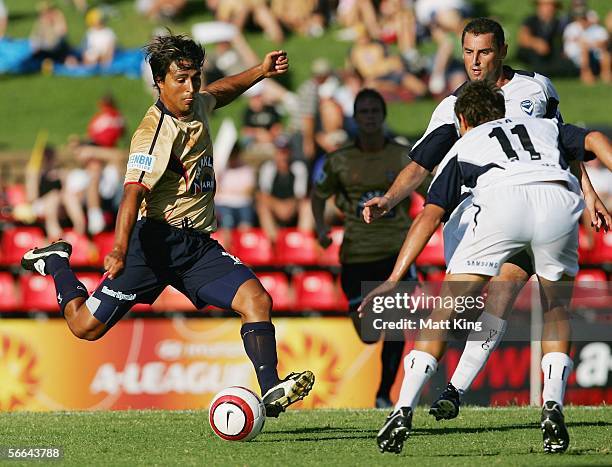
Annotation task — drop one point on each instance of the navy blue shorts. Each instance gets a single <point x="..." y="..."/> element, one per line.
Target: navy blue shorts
<point x="160" y="255"/>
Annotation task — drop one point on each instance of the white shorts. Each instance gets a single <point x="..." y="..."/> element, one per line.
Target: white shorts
<point x="540" y="218"/>
<point x="456" y="226"/>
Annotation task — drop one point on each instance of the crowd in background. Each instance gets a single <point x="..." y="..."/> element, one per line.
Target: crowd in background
<point x="284" y="134"/>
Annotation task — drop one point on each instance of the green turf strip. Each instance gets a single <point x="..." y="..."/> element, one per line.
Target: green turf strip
<point x="501" y="436"/>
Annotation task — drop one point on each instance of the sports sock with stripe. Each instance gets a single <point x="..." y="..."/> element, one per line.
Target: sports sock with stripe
<point x="556" y="367"/>
<point x="418" y="368"/>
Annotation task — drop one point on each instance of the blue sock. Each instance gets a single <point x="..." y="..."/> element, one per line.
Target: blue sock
<point x="260" y="345"/>
<point x="67" y="286"/>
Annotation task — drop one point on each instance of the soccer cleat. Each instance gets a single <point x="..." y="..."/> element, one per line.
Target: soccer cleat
<point x="554" y="431"/>
<point x="446" y="407"/>
<point x="394" y="432"/>
<point x="34" y="259"/>
<point x="293" y="388"/>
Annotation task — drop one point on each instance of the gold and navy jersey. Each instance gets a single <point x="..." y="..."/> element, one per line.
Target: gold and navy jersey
<point x="355" y="177"/>
<point x="173" y="160"/>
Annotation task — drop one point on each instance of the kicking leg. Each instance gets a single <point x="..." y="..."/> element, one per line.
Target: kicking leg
<point x="422" y="362"/>
<point x="503" y="290"/>
<point x="71" y="293"/>
<point x="254" y="304"/>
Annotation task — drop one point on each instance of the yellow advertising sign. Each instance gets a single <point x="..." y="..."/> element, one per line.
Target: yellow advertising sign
<point x="175" y="364"/>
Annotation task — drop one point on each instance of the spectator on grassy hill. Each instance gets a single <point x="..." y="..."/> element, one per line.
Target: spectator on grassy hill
<point x="159" y="10"/>
<point x="234" y="197"/>
<point x="100" y="40"/>
<point x="383" y="70"/>
<point x="304" y="17"/>
<point x="398" y="25"/>
<point x="49" y="36"/>
<point x="239" y="12"/>
<point x="281" y="200"/>
<point x="586" y="43"/>
<point x="355" y="15"/>
<point x="540" y="40"/>
<point x="3" y="18"/>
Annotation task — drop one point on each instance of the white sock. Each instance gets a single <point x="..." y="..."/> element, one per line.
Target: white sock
<point x="556" y="367"/>
<point x="479" y="345"/>
<point x="418" y="368"/>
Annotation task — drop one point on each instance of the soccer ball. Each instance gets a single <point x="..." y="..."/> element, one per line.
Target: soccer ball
<point x="237" y="414"/>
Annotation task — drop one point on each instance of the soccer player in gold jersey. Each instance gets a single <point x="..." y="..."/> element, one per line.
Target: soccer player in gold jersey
<point x="166" y="216"/>
<point x="355" y="174"/>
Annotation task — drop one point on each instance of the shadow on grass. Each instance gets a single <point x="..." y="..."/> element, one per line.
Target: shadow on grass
<point x="330" y="433"/>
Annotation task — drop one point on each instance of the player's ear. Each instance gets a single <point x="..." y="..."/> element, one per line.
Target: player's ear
<point x="463" y="125"/>
<point x="503" y="52"/>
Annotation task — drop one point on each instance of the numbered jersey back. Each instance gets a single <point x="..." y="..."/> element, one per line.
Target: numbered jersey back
<point x="515" y="151"/>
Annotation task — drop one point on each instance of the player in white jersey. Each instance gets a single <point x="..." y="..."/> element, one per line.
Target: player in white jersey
<point x="526" y="95"/>
<point x="514" y="169"/>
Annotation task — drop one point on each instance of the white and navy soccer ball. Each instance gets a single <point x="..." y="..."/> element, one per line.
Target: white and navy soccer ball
<point x="237" y="414"/>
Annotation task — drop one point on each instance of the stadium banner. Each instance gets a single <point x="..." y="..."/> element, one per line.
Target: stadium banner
<point x="182" y="363"/>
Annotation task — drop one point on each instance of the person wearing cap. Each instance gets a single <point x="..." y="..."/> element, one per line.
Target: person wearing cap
<point x="100" y="40"/>
<point x="540" y="41"/>
<point x="281" y="198"/>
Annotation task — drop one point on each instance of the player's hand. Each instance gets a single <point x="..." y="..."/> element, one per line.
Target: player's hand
<point x="600" y="217"/>
<point x="383" y="289"/>
<point x="323" y="237"/>
<point x="375" y="208"/>
<point x="275" y="63"/>
<point x="114" y="262"/>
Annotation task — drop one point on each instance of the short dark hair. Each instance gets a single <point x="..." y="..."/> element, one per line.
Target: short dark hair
<point x="165" y="49"/>
<point x="485" y="26"/>
<point x="480" y="102"/>
<point x="370" y="93"/>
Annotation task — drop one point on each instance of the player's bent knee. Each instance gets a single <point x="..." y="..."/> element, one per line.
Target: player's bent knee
<point x="89" y="328"/>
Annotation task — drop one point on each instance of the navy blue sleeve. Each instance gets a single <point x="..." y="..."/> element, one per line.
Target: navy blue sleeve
<point x="432" y="149"/>
<point x="571" y="143"/>
<point x="445" y="191"/>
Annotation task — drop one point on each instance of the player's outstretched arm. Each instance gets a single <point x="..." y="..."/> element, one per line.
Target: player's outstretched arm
<point x="598" y="215"/>
<point x="133" y="194"/>
<point x="227" y="89"/>
<point x="405" y="183"/>
<point x="599" y="144"/>
<point x="421" y="230"/>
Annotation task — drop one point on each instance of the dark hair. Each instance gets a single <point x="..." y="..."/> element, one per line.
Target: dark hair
<point x="480" y="102"/>
<point x="480" y="26"/>
<point x="167" y="49"/>
<point x="370" y="93"/>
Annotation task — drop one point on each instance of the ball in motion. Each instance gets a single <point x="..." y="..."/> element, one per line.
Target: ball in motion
<point x="237" y="414"/>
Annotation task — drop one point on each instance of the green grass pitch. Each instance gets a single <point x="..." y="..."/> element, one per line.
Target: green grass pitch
<point x="498" y="436"/>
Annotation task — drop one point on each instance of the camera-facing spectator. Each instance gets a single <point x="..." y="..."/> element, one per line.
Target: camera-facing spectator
<point x="261" y="123"/>
<point x="282" y="197"/>
<point x="540" y="40"/>
<point x="586" y="44"/>
<point x="49" y="36"/>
